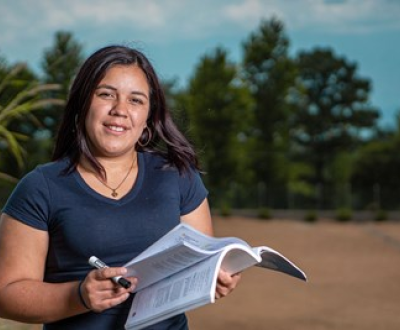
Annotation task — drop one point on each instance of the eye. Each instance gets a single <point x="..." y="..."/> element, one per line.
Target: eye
<point x="105" y="95"/>
<point x="136" y="100"/>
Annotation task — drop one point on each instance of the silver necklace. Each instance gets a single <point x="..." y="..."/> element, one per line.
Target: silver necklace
<point x="114" y="192"/>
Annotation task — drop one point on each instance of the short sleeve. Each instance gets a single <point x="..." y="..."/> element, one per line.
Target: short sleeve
<point x="29" y="202"/>
<point x="192" y="190"/>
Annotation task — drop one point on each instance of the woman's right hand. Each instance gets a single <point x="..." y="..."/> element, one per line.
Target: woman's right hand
<point x="99" y="292"/>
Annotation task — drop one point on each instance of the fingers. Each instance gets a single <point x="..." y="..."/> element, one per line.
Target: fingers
<point x="100" y="292"/>
<point x="226" y="284"/>
<point x="108" y="273"/>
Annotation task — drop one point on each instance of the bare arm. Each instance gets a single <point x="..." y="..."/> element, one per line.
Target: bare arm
<point x="24" y="297"/>
<point x="200" y="219"/>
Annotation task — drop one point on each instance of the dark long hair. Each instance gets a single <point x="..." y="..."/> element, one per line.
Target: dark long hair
<point x="165" y="138"/>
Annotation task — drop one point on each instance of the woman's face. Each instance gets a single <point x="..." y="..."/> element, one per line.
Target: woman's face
<point x="118" y="111"/>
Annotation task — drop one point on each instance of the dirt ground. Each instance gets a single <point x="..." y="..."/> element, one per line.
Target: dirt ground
<point x="353" y="271"/>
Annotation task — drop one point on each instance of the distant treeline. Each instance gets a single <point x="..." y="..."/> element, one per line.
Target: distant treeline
<point x="273" y="131"/>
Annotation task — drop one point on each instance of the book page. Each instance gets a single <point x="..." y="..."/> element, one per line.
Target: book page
<point x="188" y="289"/>
<point x="165" y="263"/>
<point x="273" y="260"/>
<point x="181" y="248"/>
<point x="179" y="272"/>
<point x="184" y="246"/>
<point x="185" y="233"/>
<point x="238" y="258"/>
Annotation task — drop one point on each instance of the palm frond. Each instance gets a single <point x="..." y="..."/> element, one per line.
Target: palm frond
<point x="7" y="80"/>
<point x="8" y="178"/>
<point x="21" y="102"/>
<point x="19" y="110"/>
<point x="13" y="145"/>
<point x="22" y="105"/>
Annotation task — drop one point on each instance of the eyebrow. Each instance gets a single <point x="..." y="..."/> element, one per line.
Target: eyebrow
<point x="114" y="89"/>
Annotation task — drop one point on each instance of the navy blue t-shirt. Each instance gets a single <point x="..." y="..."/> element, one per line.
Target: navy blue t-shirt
<point x="82" y="223"/>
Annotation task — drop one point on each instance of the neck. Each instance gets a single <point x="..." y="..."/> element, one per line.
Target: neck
<point x="119" y="176"/>
<point x="111" y="165"/>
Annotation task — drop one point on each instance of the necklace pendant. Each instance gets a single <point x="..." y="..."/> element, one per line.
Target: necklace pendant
<point x="114" y="190"/>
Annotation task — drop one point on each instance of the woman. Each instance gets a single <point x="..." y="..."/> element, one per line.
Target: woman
<point x="122" y="176"/>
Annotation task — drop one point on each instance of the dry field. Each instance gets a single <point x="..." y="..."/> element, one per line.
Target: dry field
<point x="353" y="271"/>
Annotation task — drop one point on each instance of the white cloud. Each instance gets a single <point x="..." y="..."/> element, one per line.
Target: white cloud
<point x="167" y="20"/>
<point x="143" y="14"/>
<point x="248" y="12"/>
<point x="33" y="24"/>
<point x="21" y="17"/>
<point x="158" y="20"/>
<point x="55" y="14"/>
<point x="341" y="16"/>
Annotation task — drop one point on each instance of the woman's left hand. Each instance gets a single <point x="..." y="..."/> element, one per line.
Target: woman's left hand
<point x="226" y="283"/>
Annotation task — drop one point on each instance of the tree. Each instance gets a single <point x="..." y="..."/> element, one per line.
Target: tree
<point x="375" y="178"/>
<point x="218" y="107"/>
<point x="19" y="99"/>
<point x="14" y="78"/>
<point x="270" y="73"/>
<point x="332" y="111"/>
<point x="175" y="97"/>
<point x="60" y="64"/>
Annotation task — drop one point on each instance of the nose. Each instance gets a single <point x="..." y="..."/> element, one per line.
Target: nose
<point x="119" y="108"/>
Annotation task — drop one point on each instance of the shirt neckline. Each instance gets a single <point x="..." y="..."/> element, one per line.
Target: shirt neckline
<point x="128" y="197"/>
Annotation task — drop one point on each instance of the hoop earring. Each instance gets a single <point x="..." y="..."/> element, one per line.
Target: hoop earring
<point x="145" y="138"/>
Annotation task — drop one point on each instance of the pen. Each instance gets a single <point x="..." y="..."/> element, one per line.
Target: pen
<point x="96" y="262"/>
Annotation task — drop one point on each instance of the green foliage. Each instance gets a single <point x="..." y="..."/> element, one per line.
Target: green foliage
<point x="19" y="100"/>
<point x="218" y="106"/>
<point x="270" y="74"/>
<point x="311" y="216"/>
<point x="333" y="109"/>
<point x="264" y="213"/>
<point x="380" y="215"/>
<point x="298" y="184"/>
<point x="175" y="98"/>
<point x="60" y="64"/>
<point x="61" y="61"/>
<point x="225" y="210"/>
<point x="376" y="171"/>
<point x="344" y="214"/>
<point x="339" y="173"/>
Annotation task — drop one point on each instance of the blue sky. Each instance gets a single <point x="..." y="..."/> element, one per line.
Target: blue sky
<point x="176" y="33"/>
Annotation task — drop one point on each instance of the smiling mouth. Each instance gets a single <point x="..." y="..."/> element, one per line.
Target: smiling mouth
<point x="116" y="128"/>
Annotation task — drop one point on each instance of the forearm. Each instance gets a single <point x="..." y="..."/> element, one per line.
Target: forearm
<point x="33" y="301"/>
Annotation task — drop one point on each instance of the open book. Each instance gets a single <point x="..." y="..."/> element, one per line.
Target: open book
<point x="179" y="272"/>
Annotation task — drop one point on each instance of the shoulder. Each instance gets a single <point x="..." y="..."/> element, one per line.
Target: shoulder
<point x="31" y="200"/>
<point x="38" y="179"/>
<point x="56" y="168"/>
<point x="157" y="161"/>
<point x="157" y="167"/>
<point x="153" y="160"/>
<point x="161" y="176"/>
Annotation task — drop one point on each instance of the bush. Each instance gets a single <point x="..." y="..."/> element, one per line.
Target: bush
<point x="264" y="213"/>
<point x="225" y="210"/>
<point x="344" y="215"/>
<point x="310" y="216"/>
<point x="380" y="215"/>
